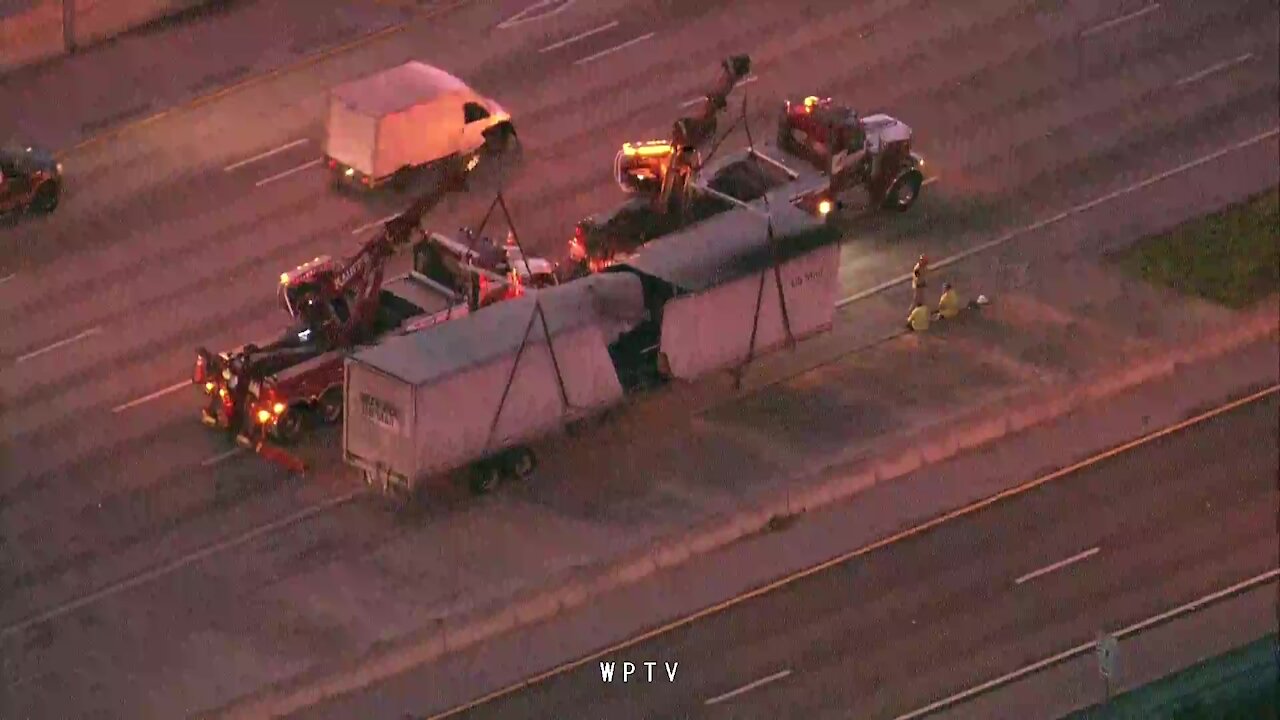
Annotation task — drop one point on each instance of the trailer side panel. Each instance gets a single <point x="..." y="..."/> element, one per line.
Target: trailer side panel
<point x="712" y="330"/>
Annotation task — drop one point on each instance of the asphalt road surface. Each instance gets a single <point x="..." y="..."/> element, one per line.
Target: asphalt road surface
<point x="171" y="237"/>
<point x="893" y="631"/>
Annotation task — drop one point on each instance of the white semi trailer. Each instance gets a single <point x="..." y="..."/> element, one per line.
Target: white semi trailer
<point x="476" y="393"/>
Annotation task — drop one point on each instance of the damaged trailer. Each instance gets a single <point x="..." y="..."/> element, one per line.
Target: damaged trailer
<point x="737" y="285"/>
<point x="471" y="394"/>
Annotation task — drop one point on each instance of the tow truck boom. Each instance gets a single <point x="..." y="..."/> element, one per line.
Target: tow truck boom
<point x="338" y="300"/>
<point x="666" y="167"/>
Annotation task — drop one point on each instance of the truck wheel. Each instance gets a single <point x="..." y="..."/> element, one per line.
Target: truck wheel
<point x="522" y="463"/>
<point x="330" y="406"/>
<point x="46" y="198"/>
<point x="484" y="476"/>
<point x="904" y="192"/>
<point x="500" y="137"/>
<point x="289" y="427"/>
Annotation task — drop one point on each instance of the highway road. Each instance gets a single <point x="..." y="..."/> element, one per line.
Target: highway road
<point x="892" y="631"/>
<point x="171" y="237"/>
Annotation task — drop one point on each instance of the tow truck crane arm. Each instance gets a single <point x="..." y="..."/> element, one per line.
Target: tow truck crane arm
<point x="672" y="163"/>
<point x="339" y="301"/>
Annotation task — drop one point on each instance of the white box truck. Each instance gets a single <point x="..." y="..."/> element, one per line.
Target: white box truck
<point x="387" y="124"/>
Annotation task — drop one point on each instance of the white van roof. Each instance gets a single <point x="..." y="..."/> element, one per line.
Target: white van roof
<point x="398" y="88"/>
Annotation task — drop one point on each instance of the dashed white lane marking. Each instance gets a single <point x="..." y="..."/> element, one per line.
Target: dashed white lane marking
<point x="61" y="343"/>
<point x="614" y="49"/>
<point x="374" y="224"/>
<point x="7" y="278"/>
<point x="1086" y="647"/>
<point x="267" y="154"/>
<point x="1058" y="565"/>
<point x="290" y="171"/>
<point x="580" y="36"/>
<point x="152" y="396"/>
<point x="530" y="14"/>
<point x="1215" y="68"/>
<point x="748" y="687"/>
<point x="210" y="462"/>
<point x="1063" y="215"/>
<point x="179" y="563"/>
<point x="1104" y="26"/>
<point x="745" y="81"/>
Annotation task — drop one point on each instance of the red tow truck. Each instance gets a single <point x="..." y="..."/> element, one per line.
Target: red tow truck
<point x="872" y="151"/>
<point x="828" y="147"/>
<point x="274" y="390"/>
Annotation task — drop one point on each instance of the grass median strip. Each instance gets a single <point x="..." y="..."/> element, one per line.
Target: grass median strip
<point x="1231" y="257"/>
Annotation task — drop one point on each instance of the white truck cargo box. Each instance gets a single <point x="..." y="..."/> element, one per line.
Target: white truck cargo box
<point x="432" y="401"/>
<point x="406" y="116"/>
<point x="714" y="271"/>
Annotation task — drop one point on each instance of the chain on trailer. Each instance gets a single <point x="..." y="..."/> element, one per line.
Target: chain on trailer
<point x="538" y="314"/>
<point x="777" y="268"/>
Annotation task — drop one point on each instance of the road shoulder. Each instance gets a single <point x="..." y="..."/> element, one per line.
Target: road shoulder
<point x="880" y="511"/>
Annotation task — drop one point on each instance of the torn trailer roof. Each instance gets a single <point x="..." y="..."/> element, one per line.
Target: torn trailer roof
<point x="614" y="302"/>
<point x="729" y="246"/>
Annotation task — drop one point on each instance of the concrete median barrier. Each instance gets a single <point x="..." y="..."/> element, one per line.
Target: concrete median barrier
<point x="539" y="607"/>
<point x="972" y="431"/>
<point x="670" y="554"/>
<point x="981" y="431"/>
<point x="472" y="628"/>
<point x="898" y="464"/>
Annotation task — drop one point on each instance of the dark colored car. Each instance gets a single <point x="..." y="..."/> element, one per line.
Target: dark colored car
<point x="30" y="179"/>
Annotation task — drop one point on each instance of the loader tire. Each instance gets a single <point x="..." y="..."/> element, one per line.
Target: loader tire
<point x="484" y="476"/>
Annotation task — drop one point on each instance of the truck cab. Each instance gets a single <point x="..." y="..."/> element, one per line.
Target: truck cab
<point x="389" y="124"/>
<point x="30" y="179"/>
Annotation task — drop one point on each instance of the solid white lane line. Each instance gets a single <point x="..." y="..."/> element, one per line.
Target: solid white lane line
<point x="7" y="278"/>
<point x="49" y="348"/>
<point x="370" y="226"/>
<point x="580" y="36"/>
<point x="1101" y="27"/>
<point x="1086" y="647"/>
<point x="748" y="687"/>
<point x="209" y="462"/>
<point x="862" y="295"/>
<point x="267" y="154"/>
<point x="148" y="398"/>
<point x="745" y="81"/>
<point x="1058" y="565"/>
<point x="1215" y="68"/>
<point x="178" y="563"/>
<point x="287" y="173"/>
<point x="614" y="49"/>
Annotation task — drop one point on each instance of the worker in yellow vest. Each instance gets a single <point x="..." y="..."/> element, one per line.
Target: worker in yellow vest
<point x="949" y="303"/>
<point x="918" y="320"/>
